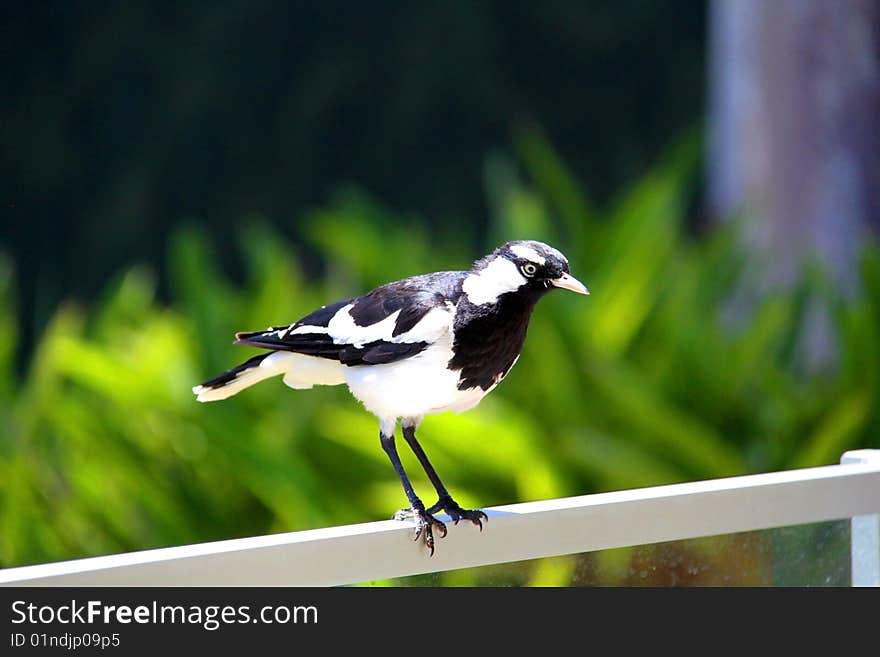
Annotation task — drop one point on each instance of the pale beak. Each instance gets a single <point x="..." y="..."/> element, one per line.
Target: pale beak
<point x="569" y="282"/>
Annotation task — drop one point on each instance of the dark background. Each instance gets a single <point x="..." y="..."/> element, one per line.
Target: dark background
<point x="121" y="120"/>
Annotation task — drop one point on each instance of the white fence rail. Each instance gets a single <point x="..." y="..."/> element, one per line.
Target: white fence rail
<point x="364" y="552"/>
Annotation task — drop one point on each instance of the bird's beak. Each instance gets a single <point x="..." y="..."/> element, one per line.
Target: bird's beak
<point x="569" y="282"/>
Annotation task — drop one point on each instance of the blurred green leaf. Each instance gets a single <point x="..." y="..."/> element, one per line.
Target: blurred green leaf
<point x="555" y="183"/>
<point x="836" y="431"/>
<point x="646" y="381"/>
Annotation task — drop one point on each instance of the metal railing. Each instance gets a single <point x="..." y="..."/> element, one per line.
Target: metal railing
<point x="376" y="550"/>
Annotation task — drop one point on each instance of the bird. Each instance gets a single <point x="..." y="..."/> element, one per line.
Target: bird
<point x="414" y="347"/>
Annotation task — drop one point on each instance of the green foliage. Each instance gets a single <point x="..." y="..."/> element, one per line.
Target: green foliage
<point x="103" y="448"/>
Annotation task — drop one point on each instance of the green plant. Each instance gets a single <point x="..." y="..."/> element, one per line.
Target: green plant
<point x="103" y="449"/>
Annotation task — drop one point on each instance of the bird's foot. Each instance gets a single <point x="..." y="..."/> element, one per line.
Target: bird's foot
<point x="454" y="511"/>
<point x="425" y="524"/>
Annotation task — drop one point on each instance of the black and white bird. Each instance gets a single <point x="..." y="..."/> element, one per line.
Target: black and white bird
<point x="422" y="345"/>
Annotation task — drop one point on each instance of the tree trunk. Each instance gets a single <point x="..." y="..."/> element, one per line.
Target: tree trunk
<point x="795" y="136"/>
<point x="795" y="128"/>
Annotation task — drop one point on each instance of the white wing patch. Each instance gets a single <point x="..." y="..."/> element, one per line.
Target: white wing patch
<point x="498" y="277"/>
<point x="528" y="253"/>
<point x="430" y="328"/>
<point x="343" y="329"/>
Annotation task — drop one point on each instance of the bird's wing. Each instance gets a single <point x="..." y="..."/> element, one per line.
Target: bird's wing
<point x="393" y="322"/>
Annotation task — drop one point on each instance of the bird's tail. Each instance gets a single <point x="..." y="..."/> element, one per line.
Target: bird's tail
<point x="238" y="378"/>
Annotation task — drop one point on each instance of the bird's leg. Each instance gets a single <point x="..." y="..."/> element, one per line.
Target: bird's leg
<point x="444" y="501"/>
<point x="425" y="522"/>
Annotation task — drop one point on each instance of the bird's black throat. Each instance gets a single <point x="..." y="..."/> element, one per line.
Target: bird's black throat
<point x="489" y="337"/>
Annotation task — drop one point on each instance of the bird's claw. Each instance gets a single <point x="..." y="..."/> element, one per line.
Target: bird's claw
<point x="425" y="522"/>
<point x="402" y="514"/>
<point x="454" y="511"/>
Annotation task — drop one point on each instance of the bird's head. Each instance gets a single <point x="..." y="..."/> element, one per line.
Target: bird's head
<point x="524" y="266"/>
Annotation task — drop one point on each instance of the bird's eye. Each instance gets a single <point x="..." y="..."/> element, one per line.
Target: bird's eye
<point x="529" y="269"/>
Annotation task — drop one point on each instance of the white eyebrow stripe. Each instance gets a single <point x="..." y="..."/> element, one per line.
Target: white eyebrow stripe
<point x="528" y="253"/>
<point x="498" y="277"/>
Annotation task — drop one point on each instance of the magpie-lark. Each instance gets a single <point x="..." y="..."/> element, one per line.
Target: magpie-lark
<point x="426" y="344"/>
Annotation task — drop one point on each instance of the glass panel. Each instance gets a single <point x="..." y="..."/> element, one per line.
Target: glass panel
<point x="804" y="555"/>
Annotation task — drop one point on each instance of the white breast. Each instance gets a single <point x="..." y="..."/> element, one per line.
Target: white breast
<point x="416" y="386"/>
